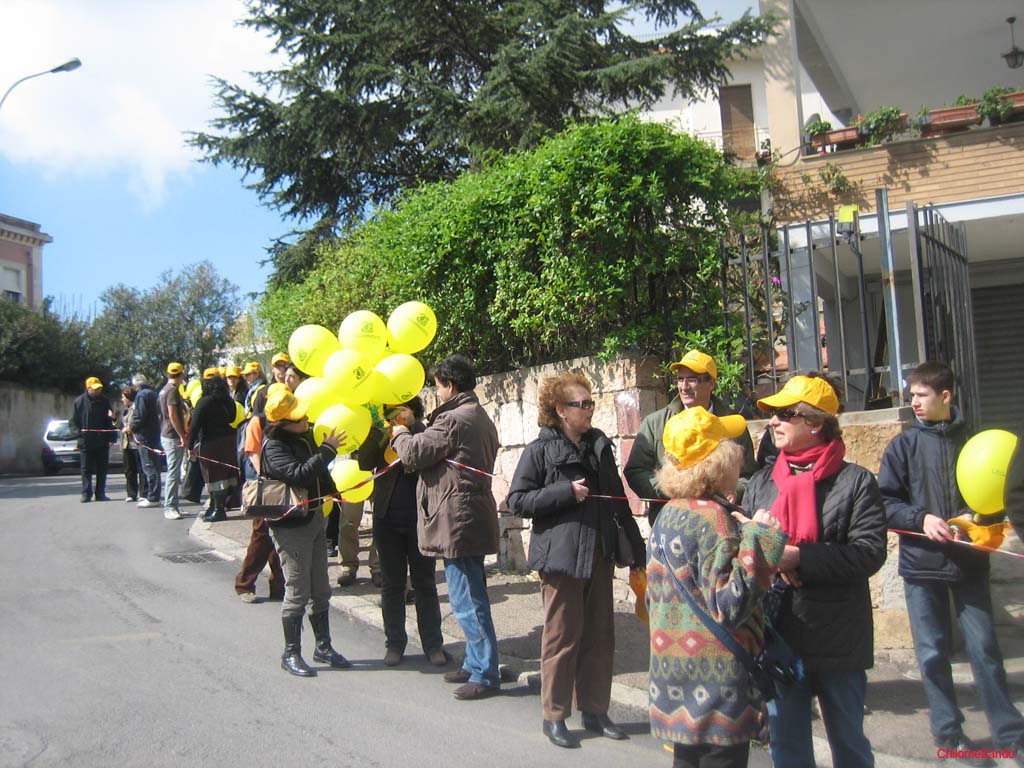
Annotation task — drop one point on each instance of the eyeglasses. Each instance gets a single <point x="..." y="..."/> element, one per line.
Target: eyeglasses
<point x="787" y="414"/>
<point x="693" y="381"/>
<point x="587" y="405"/>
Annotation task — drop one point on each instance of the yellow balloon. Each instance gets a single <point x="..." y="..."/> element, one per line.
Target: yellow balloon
<point x="317" y="394"/>
<point x="327" y="506"/>
<point x="309" y="347"/>
<point x="364" y="332"/>
<point x="981" y="469"/>
<point x="196" y="394"/>
<point x="412" y="326"/>
<point x="404" y="377"/>
<point x="347" y="474"/>
<point x="345" y="371"/>
<point x="354" y="421"/>
<point x="239" y="414"/>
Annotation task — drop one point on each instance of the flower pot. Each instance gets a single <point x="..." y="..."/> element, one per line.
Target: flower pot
<point x="841" y="137"/>
<point x="950" y="120"/>
<point x="1016" y="102"/>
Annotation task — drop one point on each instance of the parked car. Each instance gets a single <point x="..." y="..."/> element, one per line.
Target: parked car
<point x="60" y="448"/>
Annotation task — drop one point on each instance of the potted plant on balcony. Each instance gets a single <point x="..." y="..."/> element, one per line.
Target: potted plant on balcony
<point x="821" y="134"/>
<point x="963" y="114"/>
<point x="880" y="125"/>
<point x="1001" y="104"/>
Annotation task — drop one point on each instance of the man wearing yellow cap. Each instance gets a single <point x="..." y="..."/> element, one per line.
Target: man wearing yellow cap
<point x="172" y="436"/>
<point x="93" y="419"/>
<point x="696" y="374"/>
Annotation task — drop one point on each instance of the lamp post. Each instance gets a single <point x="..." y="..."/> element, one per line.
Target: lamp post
<point x="67" y="66"/>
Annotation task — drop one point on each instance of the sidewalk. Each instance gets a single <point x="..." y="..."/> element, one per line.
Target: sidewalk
<point x="897" y="721"/>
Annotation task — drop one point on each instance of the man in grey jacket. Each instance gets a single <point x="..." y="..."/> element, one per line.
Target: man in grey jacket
<point x="696" y="376"/>
<point x="457" y="516"/>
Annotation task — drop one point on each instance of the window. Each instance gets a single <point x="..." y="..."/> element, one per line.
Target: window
<point x="737" y="106"/>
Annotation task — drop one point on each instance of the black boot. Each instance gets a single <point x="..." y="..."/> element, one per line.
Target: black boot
<point x="291" y="659"/>
<point x="217" y="500"/>
<point x="559" y="735"/>
<point x="324" y="653"/>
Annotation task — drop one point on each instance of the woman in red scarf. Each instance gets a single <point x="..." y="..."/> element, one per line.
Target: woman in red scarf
<point x="833" y="513"/>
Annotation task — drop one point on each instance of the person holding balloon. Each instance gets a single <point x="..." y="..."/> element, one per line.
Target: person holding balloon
<point x="211" y="439"/>
<point x="394" y="535"/>
<point x="918" y="479"/>
<point x="290" y="455"/>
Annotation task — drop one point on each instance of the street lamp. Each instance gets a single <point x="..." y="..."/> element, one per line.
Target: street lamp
<point x="67" y="66"/>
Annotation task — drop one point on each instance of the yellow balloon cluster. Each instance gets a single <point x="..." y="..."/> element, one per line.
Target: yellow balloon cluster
<point x="368" y="361"/>
<point x="346" y="475"/>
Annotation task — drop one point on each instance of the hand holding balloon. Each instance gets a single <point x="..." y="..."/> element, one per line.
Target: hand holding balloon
<point x="334" y="438"/>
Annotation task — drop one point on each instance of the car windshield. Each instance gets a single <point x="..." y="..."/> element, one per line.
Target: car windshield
<point x="60" y="430"/>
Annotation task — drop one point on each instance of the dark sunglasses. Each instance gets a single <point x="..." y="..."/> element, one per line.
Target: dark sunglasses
<point x="585" y="404"/>
<point x="787" y="414"/>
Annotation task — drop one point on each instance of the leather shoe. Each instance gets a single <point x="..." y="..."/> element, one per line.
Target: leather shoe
<point x="102" y="497"/>
<point x="347" y="579"/>
<point x="438" y="657"/>
<point x="600" y="723"/>
<point x="456" y="676"/>
<point x="559" y="735"/>
<point x="961" y="744"/>
<point x="471" y="691"/>
<point x="393" y="657"/>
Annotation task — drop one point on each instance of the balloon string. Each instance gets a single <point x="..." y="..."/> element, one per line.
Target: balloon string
<point x="961" y="543"/>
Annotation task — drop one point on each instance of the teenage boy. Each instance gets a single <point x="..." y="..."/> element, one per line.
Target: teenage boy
<point x="918" y="482"/>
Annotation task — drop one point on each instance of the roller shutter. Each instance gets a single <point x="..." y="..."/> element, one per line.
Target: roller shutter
<point x="998" y="320"/>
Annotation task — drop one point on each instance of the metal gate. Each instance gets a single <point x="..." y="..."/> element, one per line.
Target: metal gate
<point x="943" y="310"/>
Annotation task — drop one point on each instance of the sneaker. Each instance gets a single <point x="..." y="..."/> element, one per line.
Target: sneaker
<point x="172" y="514"/>
<point x="143" y="503"/>
<point x="972" y="753"/>
<point x="130" y="499"/>
<point x="247" y="597"/>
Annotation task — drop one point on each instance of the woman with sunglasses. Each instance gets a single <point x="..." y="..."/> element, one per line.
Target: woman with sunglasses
<point x="574" y="546"/>
<point x="833" y="513"/>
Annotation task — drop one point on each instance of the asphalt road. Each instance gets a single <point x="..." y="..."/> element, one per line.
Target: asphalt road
<point x="114" y="654"/>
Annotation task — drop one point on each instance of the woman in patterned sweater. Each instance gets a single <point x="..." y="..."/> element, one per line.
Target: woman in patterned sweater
<point x="702" y="698"/>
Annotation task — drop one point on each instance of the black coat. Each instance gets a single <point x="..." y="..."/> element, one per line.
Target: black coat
<point x="828" y="620"/>
<point x="93" y="413"/>
<point x="565" y="533"/>
<point x="294" y="459"/>
<point x="918" y="477"/>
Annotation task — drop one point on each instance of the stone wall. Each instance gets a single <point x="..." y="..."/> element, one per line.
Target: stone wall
<point x="24" y="414"/>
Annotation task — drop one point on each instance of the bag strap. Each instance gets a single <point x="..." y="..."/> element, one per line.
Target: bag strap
<point x="741" y="653"/>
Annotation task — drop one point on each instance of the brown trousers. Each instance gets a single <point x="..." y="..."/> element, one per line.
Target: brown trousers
<point x="261" y="552"/>
<point x="578" y="642"/>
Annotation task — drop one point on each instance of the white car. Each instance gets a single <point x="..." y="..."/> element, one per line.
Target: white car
<point x="60" y="448"/>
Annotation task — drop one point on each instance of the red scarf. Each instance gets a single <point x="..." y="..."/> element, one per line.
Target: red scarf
<point x="796" y="507"/>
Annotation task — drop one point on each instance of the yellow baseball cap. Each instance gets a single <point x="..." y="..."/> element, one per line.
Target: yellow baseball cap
<point x="233" y="370"/>
<point x="814" y="391"/>
<point x="211" y="373"/>
<point x="691" y="435"/>
<point x="251" y="367"/>
<point x="697" y="362"/>
<point x="174" y="369"/>
<point x="280" y="357"/>
<point x="93" y="383"/>
<point x="283" y="405"/>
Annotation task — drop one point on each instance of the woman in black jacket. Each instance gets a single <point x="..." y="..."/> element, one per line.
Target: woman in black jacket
<point x="211" y="438"/>
<point x="833" y="513"/>
<point x="290" y="455"/>
<point x="574" y="546"/>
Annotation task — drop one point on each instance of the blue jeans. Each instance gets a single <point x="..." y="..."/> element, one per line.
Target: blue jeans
<point x="175" y="452"/>
<point x="841" y="696"/>
<point x="928" y="606"/>
<point x="467" y="595"/>
<point x="149" y="462"/>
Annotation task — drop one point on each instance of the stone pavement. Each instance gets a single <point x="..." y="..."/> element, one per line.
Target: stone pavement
<point x="897" y="721"/>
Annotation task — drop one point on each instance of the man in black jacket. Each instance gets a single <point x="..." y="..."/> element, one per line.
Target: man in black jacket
<point x="93" y="419"/>
<point x="145" y="425"/>
<point x="918" y="482"/>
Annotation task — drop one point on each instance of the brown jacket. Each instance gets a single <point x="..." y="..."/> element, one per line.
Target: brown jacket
<point x="457" y="513"/>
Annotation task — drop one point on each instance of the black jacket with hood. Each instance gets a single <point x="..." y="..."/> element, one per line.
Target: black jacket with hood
<point x="918" y="477"/>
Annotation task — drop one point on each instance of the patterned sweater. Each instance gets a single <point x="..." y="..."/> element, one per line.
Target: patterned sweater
<point x="699" y="692"/>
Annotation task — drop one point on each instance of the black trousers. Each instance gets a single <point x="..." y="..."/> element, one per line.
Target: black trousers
<point x="399" y="553"/>
<point x="94" y="461"/>
<point x="711" y="756"/>
<point x="132" y="472"/>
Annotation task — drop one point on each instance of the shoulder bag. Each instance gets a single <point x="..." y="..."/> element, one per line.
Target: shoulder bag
<point x="272" y="499"/>
<point x="773" y="670"/>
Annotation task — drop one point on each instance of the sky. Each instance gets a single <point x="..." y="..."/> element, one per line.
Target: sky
<point x="98" y="156"/>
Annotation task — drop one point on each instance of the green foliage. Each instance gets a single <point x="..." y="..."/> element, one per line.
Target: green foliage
<point x="186" y="317"/>
<point x="603" y="239"/>
<point x="375" y="98"/>
<point x="880" y="125"/>
<point x="993" y="106"/>
<point x="817" y="128"/>
<point x="834" y="179"/>
<point x="963" y="100"/>
<point x="40" y="349"/>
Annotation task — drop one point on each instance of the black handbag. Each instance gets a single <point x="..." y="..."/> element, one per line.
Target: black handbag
<point x="773" y="670"/>
<point x="624" y="555"/>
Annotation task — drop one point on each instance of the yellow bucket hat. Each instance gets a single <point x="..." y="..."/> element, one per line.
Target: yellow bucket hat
<point x="691" y="435"/>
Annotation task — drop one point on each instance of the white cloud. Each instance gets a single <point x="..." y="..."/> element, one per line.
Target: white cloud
<point x="144" y="81"/>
